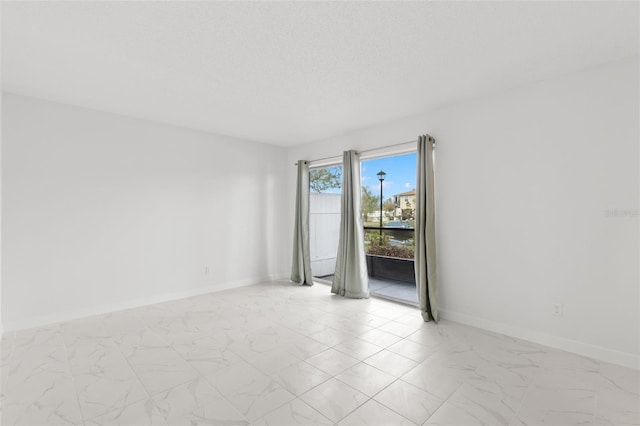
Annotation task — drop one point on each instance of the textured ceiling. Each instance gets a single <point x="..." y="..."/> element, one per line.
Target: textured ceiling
<point x="293" y="72"/>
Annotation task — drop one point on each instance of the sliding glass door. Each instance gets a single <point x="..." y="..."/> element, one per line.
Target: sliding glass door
<point x="388" y="215"/>
<point x="325" y="187"/>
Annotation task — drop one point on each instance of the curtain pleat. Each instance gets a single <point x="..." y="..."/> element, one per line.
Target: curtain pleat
<point x="351" y="278"/>
<point x="425" y="227"/>
<point x="301" y="262"/>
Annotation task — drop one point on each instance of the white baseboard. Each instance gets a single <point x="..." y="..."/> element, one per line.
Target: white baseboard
<point x="580" y="348"/>
<point x="128" y="304"/>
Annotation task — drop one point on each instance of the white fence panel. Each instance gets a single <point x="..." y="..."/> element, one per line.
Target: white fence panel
<point x="324" y="225"/>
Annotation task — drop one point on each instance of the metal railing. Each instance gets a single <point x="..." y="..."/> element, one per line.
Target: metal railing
<point x="390" y="231"/>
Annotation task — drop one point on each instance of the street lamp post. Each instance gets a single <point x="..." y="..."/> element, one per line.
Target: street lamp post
<point x="381" y="176"/>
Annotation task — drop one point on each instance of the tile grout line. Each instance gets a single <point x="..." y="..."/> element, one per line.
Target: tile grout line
<point x="369" y="398"/>
<point x="200" y="375"/>
<point x="271" y="378"/>
<point x="387" y="386"/>
<point x="111" y="340"/>
<point x="72" y="376"/>
<point x="135" y="373"/>
<point x="3" y="379"/>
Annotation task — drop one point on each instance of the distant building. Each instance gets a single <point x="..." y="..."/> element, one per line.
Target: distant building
<point x="405" y="201"/>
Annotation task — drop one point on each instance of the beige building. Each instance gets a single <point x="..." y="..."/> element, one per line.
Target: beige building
<point x="405" y="200"/>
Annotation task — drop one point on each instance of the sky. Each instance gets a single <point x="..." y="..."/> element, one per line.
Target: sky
<point x="400" y="170"/>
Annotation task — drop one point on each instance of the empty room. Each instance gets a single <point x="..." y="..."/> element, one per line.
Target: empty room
<point x="320" y="213"/>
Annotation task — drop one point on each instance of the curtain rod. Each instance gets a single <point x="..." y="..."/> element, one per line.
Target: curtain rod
<point x="363" y="152"/>
<point x="320" y="159"/>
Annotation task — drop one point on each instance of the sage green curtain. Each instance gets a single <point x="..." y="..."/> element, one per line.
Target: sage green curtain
<point x="425" y="229"/>
<point x="351" y="278"/>
<point x="301" y="263"/>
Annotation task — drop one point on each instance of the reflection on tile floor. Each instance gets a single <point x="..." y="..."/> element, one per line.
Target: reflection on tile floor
<point x="282" y="354"/>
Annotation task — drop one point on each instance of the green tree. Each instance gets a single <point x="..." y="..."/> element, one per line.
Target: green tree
<point x="369" y="203"/>
<point x="325" y="178"/>
<point x="407" y="214"/>
<point x="389" y="207"/>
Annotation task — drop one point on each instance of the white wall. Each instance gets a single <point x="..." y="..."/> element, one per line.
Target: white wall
<point x="102" y="211"/>
<point x="523" y="181"/>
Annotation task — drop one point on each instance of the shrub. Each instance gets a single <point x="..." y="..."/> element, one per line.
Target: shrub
<point x="378" y="245"/>
<point x="403" y="252"/>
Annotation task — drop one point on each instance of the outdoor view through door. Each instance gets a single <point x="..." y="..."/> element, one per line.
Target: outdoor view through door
<point x="388" y="212"/>
<point x="325" y="186"/>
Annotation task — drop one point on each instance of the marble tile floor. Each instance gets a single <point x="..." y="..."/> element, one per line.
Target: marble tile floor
<point x="281" y="354"/>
